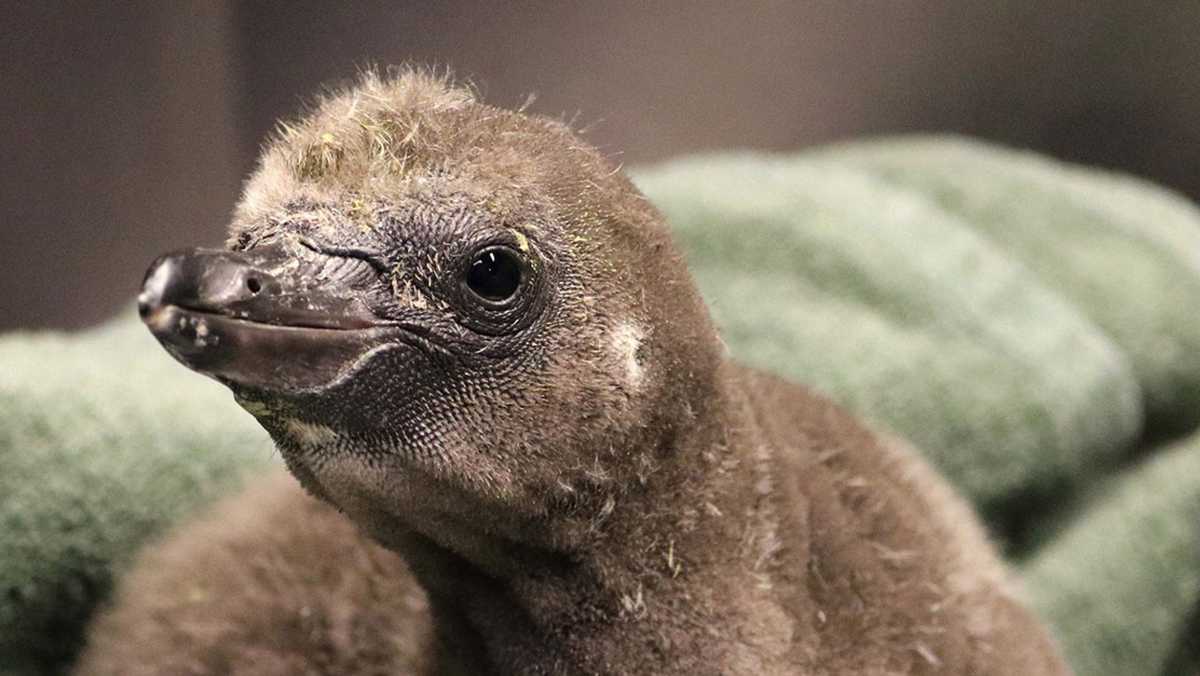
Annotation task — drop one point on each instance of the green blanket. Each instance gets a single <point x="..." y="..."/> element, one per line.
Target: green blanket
<point x="1122" y="580"/>
<point x="1026" y="323"/>
<point x="104" y="441"/>
<point x="1133" y="263"/>
<point x="905" y="312"/>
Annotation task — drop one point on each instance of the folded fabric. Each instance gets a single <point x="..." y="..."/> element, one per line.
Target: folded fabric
<point x="904" y="313"/>
<point x="1126" y="253"/>
<point x="104" y="442"/>
<point x="1118" y="585"/>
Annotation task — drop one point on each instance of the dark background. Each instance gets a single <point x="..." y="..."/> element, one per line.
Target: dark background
<point x="128" y="127"/>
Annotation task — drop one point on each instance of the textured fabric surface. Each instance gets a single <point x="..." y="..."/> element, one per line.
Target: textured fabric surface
<point x="903" y="312"/>
<point x="1133" y="263"/>
<point x="1024" y="322"/>
<point x="104" y="441"/>
<point x="1120" y="583"/>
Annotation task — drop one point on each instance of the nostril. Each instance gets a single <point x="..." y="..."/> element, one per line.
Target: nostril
<point x="254" y="285"/>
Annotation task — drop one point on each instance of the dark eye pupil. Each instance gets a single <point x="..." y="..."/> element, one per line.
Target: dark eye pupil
<point x="495" y="275"/>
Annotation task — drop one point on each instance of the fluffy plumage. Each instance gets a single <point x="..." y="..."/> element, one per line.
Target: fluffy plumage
<point x="267" y="582"/>
<point x="588" y="486"/>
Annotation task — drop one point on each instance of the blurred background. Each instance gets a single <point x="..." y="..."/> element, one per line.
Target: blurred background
<point x="128" y="127"/>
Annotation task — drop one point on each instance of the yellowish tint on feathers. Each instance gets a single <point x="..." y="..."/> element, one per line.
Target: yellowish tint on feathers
<point x="383" y="126"/>
<point x="310" y="435"/>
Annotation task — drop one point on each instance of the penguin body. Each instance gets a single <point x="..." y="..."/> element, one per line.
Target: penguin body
<point x="470" y="334"/>
<point x="269" y="581"/>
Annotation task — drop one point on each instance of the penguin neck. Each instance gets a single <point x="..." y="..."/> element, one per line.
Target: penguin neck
<point x="666" y="554"/>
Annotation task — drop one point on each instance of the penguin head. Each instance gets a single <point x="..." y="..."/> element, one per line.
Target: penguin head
<point x="451" y="318"/>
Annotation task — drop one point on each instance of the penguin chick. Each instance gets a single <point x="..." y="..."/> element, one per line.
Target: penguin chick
<point x="269" y="582"/>
<point x="469" y="332"/>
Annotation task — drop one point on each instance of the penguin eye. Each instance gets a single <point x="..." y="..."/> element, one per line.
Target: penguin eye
<point x="495" y="274"/>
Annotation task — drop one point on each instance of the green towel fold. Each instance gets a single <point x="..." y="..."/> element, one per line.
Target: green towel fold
<point x="1014" y="317"/>
<point x="1133" y="264"/>
<point x="104" y="441"/>
<point x="901" y="311"/>
<point x="1119" y="583"/>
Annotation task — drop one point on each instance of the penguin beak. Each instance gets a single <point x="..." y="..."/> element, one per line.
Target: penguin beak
<point x="267" y="318"/>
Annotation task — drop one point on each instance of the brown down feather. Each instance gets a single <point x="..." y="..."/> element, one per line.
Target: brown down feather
<point x="645" y="505"/>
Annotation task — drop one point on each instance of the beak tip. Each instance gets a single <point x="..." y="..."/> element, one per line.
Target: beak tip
<point x="156" y="286"/>
<point x="145" y="305"/>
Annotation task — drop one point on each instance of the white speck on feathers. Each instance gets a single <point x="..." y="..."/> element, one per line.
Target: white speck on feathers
<point x="625" y="341"/>
<point x="927" y="654"/>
